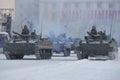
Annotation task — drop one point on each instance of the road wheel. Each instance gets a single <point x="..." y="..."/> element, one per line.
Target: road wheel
<point x="66" y="52"/>
<point x="49" y="54"/>
<point x="43" y="54"/>
<point x="112" y="55"/>
<point x="84" y="55"/>
<point x="79" y="55"/>
<point x="37" y="54"/>
<point x="9" y="56"/>
<point x="19" y="56"/>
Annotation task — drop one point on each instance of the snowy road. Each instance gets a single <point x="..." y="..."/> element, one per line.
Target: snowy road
<point x="59" y="68"/>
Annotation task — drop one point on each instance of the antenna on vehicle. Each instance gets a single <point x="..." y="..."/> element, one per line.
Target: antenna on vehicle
<point x="89" y="28"/>
<point x="41" y="32"/>
<point x="111" y="30"/>
<point x="111" y="27"/>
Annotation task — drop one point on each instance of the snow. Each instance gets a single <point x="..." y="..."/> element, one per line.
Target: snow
<point x="59" y="68"/>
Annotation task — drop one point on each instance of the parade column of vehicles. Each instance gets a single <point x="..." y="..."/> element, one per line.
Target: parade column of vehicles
<point x="95" y="44"/>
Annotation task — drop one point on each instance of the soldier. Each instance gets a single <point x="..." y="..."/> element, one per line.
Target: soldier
<point x="103" y="35"/>
<point x="25" y="30"/>
<point x="25" y="33"/>
<point x="33" y="34"/>
<point x="94" y="31"/>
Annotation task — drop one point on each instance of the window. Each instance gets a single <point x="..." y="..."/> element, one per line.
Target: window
<point x="53" y="5"/>
<point x="99" y="5"/>
<point x="54" y="15"/>
<point x="88" y="4"/>
<point x="76" y="5"/>
<point x="111" y="5"/>
<point x="66" y="5"/>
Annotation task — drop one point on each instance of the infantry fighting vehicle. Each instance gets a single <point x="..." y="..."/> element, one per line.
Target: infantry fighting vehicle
<point x="100" y="46"/>
<point x="22" y="45"/>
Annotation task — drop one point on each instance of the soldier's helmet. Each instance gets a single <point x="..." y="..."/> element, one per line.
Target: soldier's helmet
<point x="93" y="27"/>
<point x="25" y="26"/>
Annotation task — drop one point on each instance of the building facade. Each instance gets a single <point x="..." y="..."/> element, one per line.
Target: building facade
<point x="75" y="15"/>
<point x="6" y="8"/>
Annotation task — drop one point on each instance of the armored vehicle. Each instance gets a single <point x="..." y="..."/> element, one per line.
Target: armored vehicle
<point x="98" y="46"/>
<point x="64" y="47"/>
<point x="21" y="45"/>
<point x="61" y="44"/>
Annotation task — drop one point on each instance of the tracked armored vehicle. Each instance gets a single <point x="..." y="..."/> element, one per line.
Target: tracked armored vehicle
<point x="22" y="45"/>
<point x="59" y="47"/>
<point x="99" y="46"/>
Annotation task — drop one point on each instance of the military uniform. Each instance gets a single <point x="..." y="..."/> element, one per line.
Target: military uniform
<point x="25" y="30"/>
<point x="94" y="31"/>
<point x="33" y="34"/>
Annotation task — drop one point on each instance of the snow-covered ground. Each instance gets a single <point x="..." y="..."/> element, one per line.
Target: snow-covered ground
<point x="59" y="68"/>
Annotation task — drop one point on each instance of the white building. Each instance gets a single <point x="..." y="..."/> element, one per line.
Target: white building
<point x="76" y="15"/>
<point x="6" y="7"/>
<point x="2" y="20"/>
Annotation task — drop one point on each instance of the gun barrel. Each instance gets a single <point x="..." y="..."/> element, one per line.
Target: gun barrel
<point x="23" y="36"/>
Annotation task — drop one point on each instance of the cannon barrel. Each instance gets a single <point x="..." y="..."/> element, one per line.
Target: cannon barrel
<point x="21" y="35"/>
